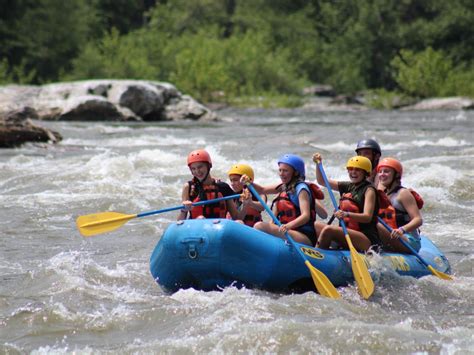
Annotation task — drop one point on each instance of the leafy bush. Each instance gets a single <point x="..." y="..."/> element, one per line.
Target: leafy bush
<point x="17" y="74"/>
<point x="114" y="56"/>
<point x="200" y="64"/>
<point x="431" y="73"/>
<point x="386" y="100"/>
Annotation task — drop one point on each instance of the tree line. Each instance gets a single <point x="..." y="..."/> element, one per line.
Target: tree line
<point x="224" y="50"/>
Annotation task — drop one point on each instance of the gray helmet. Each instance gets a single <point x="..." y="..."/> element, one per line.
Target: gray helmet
<point x="369" y="143"/>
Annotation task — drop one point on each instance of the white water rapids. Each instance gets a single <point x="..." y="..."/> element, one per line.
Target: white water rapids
<point x="62" y="293"/>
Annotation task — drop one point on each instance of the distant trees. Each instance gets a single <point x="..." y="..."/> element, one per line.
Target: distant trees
<point x="244" y="48"/>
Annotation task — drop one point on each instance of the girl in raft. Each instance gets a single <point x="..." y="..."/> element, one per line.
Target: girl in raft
<point x="295" y="206"/>
<point x="404" y="214"/>
<point x="249" y="206"/>
<point x="205" y="187"/>
<point x="358" y="207"/>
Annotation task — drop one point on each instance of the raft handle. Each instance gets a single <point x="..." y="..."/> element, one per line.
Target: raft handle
<point x="192" y="253"/>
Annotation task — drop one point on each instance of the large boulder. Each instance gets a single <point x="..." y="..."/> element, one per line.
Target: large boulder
<point x="100" y="100"/>
<point x="17" y="128"/>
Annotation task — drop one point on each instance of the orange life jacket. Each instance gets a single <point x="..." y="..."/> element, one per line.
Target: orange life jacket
<point x="418" y="198"/>
<point x="253" y="216"/>
<point x="198" y="192"/>
<point x="386" y="210"/>
<point x="315" y="190"/>
<point x="348" y="204"/>
<point x="288" y="210"/>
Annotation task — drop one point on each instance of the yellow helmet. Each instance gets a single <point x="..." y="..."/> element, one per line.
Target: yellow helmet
<point x="360" y="162"/>
<point x="241" y="169"/>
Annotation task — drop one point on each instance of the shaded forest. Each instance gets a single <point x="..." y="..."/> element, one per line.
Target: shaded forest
<point x="223" y="50"/>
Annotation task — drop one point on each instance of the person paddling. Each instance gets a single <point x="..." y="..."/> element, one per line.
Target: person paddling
<point x="358" y="207"/>
<point x="205" y="187"/>
<point x="295" y="205"/>
<point x="405" y="217"/>
<point x="249" y="205"/>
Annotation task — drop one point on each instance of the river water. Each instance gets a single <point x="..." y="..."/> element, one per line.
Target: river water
<point x="62" y="293"/>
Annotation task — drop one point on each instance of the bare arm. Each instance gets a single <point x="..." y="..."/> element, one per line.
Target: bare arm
<point x="232" y="208"/>
<point x="256" y="205"/>
<point x="305" y="209"/>
<point x="409" y="203"/>
<point x="185" y="198"/>
<point x="321" y="210"/>
<point x="268" y="189"/>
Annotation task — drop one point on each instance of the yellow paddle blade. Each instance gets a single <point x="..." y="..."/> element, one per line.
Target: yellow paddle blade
<point x="364" y="281"/>
<point x="440" y="274"/>
<point x="98" y="223"/>
<point x="323" y="284"/>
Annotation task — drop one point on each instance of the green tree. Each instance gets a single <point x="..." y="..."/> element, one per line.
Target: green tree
<point x="115" y="56"/>
<point x="431" y="73"/>
<point x="50" y="33"/>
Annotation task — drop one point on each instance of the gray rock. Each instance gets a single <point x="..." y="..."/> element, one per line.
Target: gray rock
<point x="445" y="103"/>
<point x="101" y="100"/>
<point x="187" y="107"/>
<point x="17" y="128"/>
<point x="319" y="90"/>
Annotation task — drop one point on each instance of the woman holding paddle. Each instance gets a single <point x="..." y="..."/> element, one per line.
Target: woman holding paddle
<point x="295" y="205"/>
<point x="204" y="187"/>
<point x="249" y="205"/>
<point x="406" y="217"/>
<point x="358" y="207"/>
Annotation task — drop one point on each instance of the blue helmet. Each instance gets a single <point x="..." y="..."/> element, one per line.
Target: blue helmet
<point x="295" y="162"/>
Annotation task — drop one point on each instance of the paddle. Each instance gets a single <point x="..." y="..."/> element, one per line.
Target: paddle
<point x="103" y="222"/>
<point x="364" y="281"/>
<point x="435" y="272"/>
<point x="322" y="283"/>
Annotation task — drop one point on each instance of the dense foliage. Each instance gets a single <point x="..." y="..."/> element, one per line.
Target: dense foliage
<point x="226" y="49"/>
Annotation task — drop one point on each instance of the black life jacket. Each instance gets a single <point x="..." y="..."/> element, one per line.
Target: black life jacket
<point x="198" y="192"/>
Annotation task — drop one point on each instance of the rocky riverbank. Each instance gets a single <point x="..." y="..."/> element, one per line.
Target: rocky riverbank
<point x="92" y="100"/>
<point x="140" y="100"/>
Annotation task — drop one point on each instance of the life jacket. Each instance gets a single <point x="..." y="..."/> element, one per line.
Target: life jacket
<point x="288" y="209"/>
<point x="348" y="204"/>
<point x="353" y="200"/>
<point x="386" y="210"/>
<point x="402" y="216"/>
<point x="198" y="192"/>
<point x="253" y="216"/>
<point x="418" y="198"/>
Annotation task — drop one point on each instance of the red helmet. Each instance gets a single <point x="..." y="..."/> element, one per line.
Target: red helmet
<point x="391" y="163"/>
<point x="199" y="155"/>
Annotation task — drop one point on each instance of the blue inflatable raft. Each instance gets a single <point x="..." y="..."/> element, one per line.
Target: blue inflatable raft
<point x="210" y="254"/>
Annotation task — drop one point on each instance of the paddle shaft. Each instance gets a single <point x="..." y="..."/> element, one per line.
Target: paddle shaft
<point x="331" y="195"/>
<point x="98" y="221"/>
<point x="405" y="243"/>
<point x="200" y="203"/>
<point x="362" y="276"/>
